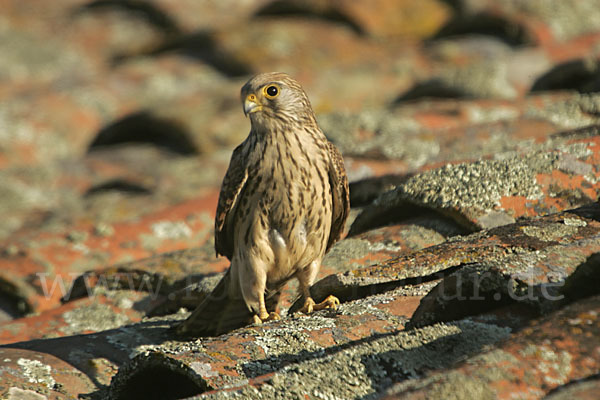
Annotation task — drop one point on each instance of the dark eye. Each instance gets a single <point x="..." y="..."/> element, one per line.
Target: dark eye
<point x="272" y="91"/>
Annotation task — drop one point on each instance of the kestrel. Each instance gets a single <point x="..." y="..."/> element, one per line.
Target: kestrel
<point x="283" y="204"/>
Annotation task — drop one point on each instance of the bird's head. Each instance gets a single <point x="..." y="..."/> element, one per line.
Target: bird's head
<point x="275" y="96"/>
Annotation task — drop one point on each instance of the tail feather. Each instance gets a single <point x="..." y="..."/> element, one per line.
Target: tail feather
<point x="221" y="313"/>
<point x="217" y="314"/>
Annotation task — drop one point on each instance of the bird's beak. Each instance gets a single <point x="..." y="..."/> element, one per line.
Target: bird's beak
<point x="251" y="105"/>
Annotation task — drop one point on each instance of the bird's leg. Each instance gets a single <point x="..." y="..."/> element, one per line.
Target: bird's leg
<point x="330" y="302"/>
<point x="253" y="282"/>
<point x="309" y="304"/>
<point x="305" y="278"/>
<point x="263" y="315"/>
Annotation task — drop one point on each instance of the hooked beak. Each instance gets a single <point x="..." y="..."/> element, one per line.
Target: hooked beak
<point x="251" y="105"/>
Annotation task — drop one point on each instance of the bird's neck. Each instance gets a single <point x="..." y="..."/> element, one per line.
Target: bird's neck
<point x="286" y="139"/>
<point x="272" y="128"/>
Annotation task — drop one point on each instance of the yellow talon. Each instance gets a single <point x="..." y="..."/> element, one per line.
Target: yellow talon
<point x="273" y="316"/>
<point x="310" y="306"/>
<point x="258" y="320"/>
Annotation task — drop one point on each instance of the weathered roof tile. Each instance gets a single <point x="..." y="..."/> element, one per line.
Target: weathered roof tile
<point x="41" y="271"/>
<point x="91" y="314"/>
<point x="493" y="192"/>
<point x="27" y="374"/>
<point x="553" y="351"/>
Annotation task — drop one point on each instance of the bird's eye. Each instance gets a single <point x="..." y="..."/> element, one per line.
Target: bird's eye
<point x="271" y="91"/>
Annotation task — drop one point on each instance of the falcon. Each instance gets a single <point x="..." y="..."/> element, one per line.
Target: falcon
<point x="283" y="203"/>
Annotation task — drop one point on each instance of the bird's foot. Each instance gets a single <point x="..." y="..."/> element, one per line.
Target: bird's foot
<point x="310" y="305"/>
<point x="259" y="319"/>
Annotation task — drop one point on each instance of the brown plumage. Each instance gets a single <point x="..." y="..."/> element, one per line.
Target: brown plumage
<point x="283" y="204"/>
